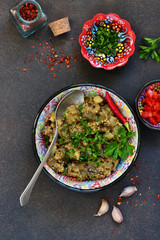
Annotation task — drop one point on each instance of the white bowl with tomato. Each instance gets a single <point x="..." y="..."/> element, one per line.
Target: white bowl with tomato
<point x="148" y="104"/>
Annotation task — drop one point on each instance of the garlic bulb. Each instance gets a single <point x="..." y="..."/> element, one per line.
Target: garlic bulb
<point x="128" y="191"/>
<point x="117" y="215"/>
<point x="103" y="208"/>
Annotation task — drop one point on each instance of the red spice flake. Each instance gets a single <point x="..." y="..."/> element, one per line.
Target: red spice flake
<point x="52" y="69"/>
<point x="127" y="202"/>
<point x="36" y="36"/>
<point x="158" y="196"/>
<point x="49" y="65"/>
<point x="74" y="83"/>
<point x="130" y="202"/>
<point x="119" y="203"/>
<point x="136" y="204"/>
<point x="131" y="179"/>
<point x="54" y="75"/>
<point x="71" y="38"/>
<point x="44" y="47"/>
<point x="29" y="60"/>
<point x="28" y="11"/>
<point x="112" y="232"/>
<point x="133" y="211"/>
<point x="144" y="200"/>
<point x="145" y="167"/>
<point x="44" y="61"/>
<point x="137" y="165"/>
<point x="139" y="182"/>
<point x="24" y="69"/>
<point x="31" y="55"/>
<point x="46" y="43"/>
<point x="140" y="194"/>
<point x="61" y="51"/>
<point x="33" y="46"/>
<point x="154" y="204"/>
<point x="149" y="188"/>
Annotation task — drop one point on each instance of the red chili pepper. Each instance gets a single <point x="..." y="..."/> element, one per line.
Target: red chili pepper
<point x="116" y="111"/>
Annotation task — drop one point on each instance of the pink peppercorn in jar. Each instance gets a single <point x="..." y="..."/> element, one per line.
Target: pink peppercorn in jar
<point x="28" y="17"/>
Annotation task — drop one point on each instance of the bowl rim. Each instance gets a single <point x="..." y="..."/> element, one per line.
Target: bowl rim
<point x="90" y="22"/>
<point x="34" y="143"/>
<point x="136" y="103"/>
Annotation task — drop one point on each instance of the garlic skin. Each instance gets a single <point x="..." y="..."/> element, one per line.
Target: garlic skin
<point x="103" y="208"/>
<point x="117" y="215"/>
<point x="128" y="191"/>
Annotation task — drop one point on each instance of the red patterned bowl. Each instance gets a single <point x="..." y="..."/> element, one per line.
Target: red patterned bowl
<point x="125" y="47"/>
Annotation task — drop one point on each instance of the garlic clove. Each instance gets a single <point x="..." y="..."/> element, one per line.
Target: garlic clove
<point x="128" y="191"/>
<point x="117" y="215"/>
<point x="103" y="208"/>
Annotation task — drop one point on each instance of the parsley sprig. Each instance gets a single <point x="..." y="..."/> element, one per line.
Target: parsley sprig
<point x="150" y="49"/>
<point x="122" y="147"/>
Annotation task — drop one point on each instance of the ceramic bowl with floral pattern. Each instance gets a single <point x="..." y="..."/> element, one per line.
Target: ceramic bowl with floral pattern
<point x="107" y="41"/>
<point x="140" y="106"/>
<point x="40" y="147"/>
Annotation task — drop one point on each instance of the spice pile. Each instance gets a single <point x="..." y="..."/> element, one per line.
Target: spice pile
<point x="28" y="11"/>
<point x="50" y="57"/>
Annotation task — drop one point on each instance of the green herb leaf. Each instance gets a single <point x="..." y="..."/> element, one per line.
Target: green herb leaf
<point x="80" y="107"/>
<point x="99" y="118"/>
<point x="151" y="49"/>
<point x="111" y="147"/>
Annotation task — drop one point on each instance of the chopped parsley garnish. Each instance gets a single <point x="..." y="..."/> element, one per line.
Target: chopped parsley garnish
<point x="106" y="41"/>
<point x="64" y="126"/>
<point x="65" y="171"/>
<point x="99" y="118"/>
<point x="80" y="107"/>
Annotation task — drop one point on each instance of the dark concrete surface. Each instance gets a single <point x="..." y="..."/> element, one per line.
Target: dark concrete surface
<point x="54" y="212"/>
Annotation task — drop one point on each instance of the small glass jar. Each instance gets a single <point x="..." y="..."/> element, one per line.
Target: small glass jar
<point x="27" y="27"/>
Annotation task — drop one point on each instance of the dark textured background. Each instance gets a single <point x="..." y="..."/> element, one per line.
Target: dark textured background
<point x="54" y="212"/>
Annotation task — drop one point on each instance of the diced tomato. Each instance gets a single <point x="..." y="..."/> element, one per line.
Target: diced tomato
<point x="150" y="102"/>
<point x="155" y="95"/>
<point x="146" y="114"/>
<point x="143" y="100"/>
<point x="154" y="114"/>
<point x="157" y="106"/>
<point x="158" y="117"/>
<point x="149" y="93"/>
<point x="152" y="120"/>
<point x="151" y="106"/>
<point x="147" y="108"/>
